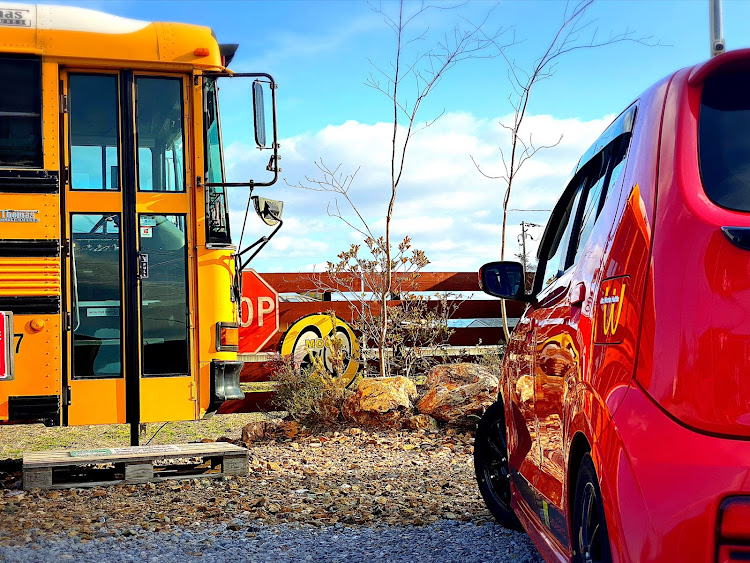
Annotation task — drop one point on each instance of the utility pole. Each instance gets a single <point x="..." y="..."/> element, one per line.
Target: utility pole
<point x="523" y="245"/>
<point x="717" y="31"/>
<point x="525" y="225"/>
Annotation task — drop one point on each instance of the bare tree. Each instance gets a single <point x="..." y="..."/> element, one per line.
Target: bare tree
<point x="576" y="32"/>
<point x="411" y="76"/>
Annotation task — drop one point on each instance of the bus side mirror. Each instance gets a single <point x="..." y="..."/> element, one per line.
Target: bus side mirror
<point x="259" y="113"/>
<point x="504" y="280"/>
<point x="268" y="209"/>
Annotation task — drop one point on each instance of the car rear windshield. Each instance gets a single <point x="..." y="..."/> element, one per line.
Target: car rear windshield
<point x="724" y="140"/>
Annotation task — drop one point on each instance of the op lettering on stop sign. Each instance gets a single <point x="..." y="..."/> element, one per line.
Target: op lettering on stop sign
<point x="265" y="306"/>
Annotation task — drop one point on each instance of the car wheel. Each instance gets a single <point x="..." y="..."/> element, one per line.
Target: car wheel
<point x="491" y="466"/>
<point x="590" y="537"/>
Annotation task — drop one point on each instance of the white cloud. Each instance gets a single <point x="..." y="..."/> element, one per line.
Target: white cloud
<point x="287" y="45"/>
<point x="444" y="204"/>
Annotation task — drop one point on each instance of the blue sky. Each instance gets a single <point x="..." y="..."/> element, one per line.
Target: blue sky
<point x="320" y="53"/>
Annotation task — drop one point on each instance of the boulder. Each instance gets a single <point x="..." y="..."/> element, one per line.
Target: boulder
<point x="381" y="401"/>
<point x="458" y="393"/>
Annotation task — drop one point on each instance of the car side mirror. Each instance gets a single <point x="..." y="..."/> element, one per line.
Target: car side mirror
<point x="259" y="112"/>
<point x="268" y="209"/>
<point x="504" y="280"/>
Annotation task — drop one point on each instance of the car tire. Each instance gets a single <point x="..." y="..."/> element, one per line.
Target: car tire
<point x="590" y="537"/>
<point x="491" y="466"/>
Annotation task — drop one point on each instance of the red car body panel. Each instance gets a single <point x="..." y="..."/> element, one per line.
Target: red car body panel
<point x="701" y="327"/>
<point x="640" y="354"/>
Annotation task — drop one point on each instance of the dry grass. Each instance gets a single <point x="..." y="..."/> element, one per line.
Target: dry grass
<point x="18" y="438"/>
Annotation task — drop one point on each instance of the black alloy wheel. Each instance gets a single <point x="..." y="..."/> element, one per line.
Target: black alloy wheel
<point x="491" y="466"/>
<point x="590" y="537"/>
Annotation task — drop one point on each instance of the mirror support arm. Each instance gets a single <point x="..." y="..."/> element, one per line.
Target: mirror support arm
<point x="274" y="146"/>
<point x="263" y="241"/>
<point x="249" y="248"/>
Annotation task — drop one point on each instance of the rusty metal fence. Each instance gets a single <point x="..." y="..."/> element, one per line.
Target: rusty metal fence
<point x="475" y="322"/>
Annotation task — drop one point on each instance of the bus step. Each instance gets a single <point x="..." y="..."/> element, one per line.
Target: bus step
<point x="63" y="469"/>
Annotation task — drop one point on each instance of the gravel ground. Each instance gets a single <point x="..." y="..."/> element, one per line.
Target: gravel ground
<point x="442" y="541"/>
<point x="331" y="494"/>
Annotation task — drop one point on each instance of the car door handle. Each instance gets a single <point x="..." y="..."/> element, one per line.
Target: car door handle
<point x="578" y="294"/>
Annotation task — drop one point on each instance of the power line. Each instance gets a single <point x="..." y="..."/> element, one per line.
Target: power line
<point x="536" y="210"/>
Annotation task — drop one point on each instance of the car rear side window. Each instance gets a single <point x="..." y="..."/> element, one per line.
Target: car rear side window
<point x="557" y="257"/>
<point x="606" y="168"/>
<point x="21" y="112"/>
<point x="724" y="140"/>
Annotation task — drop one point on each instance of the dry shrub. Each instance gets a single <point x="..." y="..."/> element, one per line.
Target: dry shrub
<point x="492" y="360"/>
<point x="418" y="333"/>
<point x="311" y="394"/>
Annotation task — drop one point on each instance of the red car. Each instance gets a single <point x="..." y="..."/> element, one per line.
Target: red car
<point x="622" y="427"/>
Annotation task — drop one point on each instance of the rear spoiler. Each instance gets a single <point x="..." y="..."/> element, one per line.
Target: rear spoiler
<point x="729" y="61"/>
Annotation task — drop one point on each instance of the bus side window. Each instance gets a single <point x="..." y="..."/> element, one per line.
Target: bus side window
<point x="21" y="112"/>
<point x="217" y="226"/>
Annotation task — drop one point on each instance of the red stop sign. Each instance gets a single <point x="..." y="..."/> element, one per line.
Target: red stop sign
<point x="259" y="313"/>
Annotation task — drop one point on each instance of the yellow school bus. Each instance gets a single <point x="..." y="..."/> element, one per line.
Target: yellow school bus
<point x="118" y="294"/>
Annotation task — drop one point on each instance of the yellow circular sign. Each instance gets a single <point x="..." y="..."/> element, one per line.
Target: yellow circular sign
<point x="313" y="335"/>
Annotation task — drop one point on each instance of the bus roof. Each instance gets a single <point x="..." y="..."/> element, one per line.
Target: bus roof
<point x="71" y="34"/>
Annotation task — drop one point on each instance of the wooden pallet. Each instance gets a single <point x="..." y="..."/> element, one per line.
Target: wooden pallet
<point x="114" y="466"/>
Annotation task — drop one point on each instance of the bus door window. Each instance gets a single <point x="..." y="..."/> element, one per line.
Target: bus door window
<point x="94" y="132"/>
<point x="159" y="127"/>
<point x="164" y="295"/>
<point x="96" y="289"/>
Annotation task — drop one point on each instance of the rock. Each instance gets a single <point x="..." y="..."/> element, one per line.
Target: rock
<point x="254" y="432"/>
<point x="270" y="429"/>
<point x="290" y="428"/>
<point x="458" y="393"/>
<point x="421" y="422"/>
<point x="381" y="401"/>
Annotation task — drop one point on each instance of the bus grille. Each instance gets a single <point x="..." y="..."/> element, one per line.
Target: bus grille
<point x="29" y="276"/>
